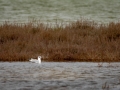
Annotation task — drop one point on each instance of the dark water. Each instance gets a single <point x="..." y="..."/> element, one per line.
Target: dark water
<point x="59" y="76"/>
<point x="62" y="10"/>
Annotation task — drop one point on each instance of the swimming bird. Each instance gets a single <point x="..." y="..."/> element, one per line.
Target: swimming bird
<point x="36" y="60"/>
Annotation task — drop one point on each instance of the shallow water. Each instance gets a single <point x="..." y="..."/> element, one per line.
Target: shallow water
<point x="62" y="10"/>
<point x="59" y="76"/>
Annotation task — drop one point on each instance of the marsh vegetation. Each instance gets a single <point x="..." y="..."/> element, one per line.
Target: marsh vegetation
<point x="81" y="40"/>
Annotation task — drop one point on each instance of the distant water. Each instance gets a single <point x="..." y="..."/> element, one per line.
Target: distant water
<point x="62" y="10"/>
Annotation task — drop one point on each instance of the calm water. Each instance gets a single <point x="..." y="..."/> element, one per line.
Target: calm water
<point x="62" y="10"/>
<point x="59" y="76"/>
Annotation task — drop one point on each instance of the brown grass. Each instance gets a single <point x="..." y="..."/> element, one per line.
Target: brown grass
<point x="78" y="41"/>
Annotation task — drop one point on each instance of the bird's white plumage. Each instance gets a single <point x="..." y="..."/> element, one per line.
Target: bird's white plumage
<point x="36" y="60"/>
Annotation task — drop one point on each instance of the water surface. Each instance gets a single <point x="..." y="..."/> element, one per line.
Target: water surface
<point x="59" y="76"/>
<point x="62" y="10"/>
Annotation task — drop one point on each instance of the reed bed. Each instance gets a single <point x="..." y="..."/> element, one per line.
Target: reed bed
<point x="82" y="41"/>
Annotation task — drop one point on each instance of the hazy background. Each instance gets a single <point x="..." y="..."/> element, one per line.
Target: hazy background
<point x="63" y="10"/>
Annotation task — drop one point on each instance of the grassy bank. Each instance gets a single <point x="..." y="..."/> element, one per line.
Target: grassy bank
<point x="78" y="41"/>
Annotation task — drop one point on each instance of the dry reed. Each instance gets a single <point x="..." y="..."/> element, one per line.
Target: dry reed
<point x="78" y="41"/>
